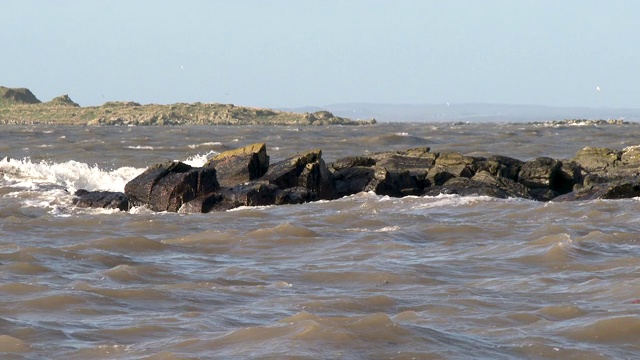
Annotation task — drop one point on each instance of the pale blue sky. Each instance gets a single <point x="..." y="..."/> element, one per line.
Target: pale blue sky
<point x="287" y="53"/>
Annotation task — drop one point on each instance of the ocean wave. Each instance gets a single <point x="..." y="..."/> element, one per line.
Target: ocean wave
<point x="71" y="175"/>
<point x="141" y="147"/>
<point x="205" y="144"/>
<point x="399" y="138"/>
<point x="199" y="160"/>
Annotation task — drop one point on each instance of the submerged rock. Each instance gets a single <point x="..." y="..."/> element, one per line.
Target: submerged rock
<point x="619" y="190"/>
<point x="101" y="199"/>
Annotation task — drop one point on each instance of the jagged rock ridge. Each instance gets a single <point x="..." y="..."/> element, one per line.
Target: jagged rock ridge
<point x="244" y="177"/>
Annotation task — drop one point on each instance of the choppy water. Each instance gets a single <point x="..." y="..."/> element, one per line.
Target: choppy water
<point x="364" y="276"/>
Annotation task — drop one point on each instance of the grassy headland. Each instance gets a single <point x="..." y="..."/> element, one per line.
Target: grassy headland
<point x="20" y="106"/>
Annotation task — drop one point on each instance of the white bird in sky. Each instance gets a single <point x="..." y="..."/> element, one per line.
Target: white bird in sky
<point x="597" y="88"/>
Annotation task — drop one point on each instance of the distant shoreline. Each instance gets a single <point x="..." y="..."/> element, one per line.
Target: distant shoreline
<point x="472" y="112"/>
<point x="19" y="106"/>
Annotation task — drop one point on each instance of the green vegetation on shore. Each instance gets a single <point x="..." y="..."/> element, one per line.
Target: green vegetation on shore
<point x="20" y="106"/>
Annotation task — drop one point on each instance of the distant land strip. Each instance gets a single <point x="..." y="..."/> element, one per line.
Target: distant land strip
<point x="20" y="106"/>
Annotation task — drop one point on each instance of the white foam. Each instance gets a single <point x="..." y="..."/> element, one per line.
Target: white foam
<point x="387" y="229"/>
<point x="72" y="175"/>
<point x="451" y="200"/>
<point x="199" y="160"/>
<point x="206" y="144"/>
<point x="141" y="147"/>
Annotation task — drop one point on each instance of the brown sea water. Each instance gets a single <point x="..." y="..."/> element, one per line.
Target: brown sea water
<point x="362" y="277"/>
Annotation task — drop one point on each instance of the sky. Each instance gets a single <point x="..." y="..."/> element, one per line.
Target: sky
<point x="292" y="53"/>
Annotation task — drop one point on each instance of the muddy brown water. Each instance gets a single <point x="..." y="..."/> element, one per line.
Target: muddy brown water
<point x="364" y="276"/>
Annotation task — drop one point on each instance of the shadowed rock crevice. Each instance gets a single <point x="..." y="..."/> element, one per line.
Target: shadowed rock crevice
<point x="245" y="177"/>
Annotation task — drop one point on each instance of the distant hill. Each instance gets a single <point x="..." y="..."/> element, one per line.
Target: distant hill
<point x="9" y="96"/>
<point x="471" y="112"/>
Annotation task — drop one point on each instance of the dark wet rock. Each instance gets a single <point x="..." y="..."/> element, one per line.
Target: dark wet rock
<point x="631" y="155"/>
<point x="258" y="193"/>
<point x="403" y="162"/>
<point x="166" y="187"/>
<point x="456" y="159"/>
<point x="101" y="199"/>
<point x="451" y="165"/>
<point x="509" y="187"/>
<point x="417" y="161"/>
<point x="256" y="152"/>
<point x="419" y="152"/>
<point x="353" y="180"/>
<point x="285" y="174"/>
<point x="609" y="174"/>
<point x="465" y="187"/>
<point x="351" y="161"/>
<point x="619" y="190"/>
<point x="307" y="170"/>
<point x="543" y="194"/>
<point x="481" y="184"/>
<point x="418" y="167"/>
<point x="594" y="179"/>
<point x="570" y="176"/>
<point x="317" y="178"/>
<point x="295" y="195"/>
<point x="439" y="174"/>
<point x="201" y="204"/>
<point x="501" y="166"/>
<point x="623" y="172"/>
<point x="242" y="165"/>
<point x="396" y="183"/>
<point x="237" y="169"/>
<point x="597" y="159"/>
<point x="544" y="178"/>
<point x="542" y="172"/>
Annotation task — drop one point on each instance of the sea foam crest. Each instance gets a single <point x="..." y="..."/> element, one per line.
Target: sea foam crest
<point x="199" y="160"/>
<point x="205" y="144"/>
<point x="72" y="175"/>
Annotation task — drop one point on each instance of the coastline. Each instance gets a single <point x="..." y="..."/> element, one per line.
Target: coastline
<point x="18" y="106"/>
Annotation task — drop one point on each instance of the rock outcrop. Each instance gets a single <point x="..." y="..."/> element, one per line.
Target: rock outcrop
<point x="63" y="100"/>
<point x="166" y="187"/>
<point x="17" y="96"/>
<point x="240" y="165"/>
<point x="101" y="199"/>
<point x="244" y="177"/>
